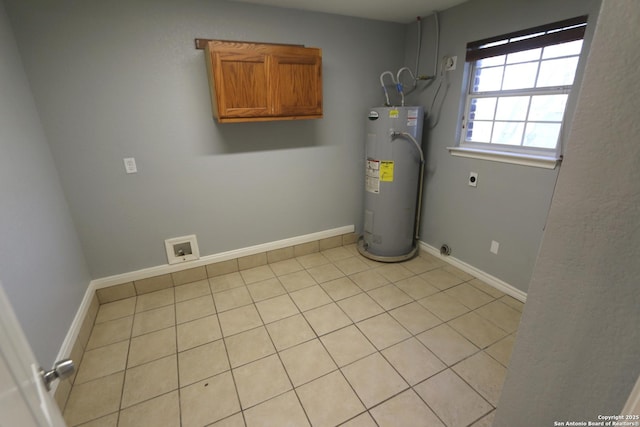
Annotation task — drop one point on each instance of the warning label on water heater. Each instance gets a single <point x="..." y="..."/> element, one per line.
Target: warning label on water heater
<point x="372" y="176"/>
<point x="377" y="171"/>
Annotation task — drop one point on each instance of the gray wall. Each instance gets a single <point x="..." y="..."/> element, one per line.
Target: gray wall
<point x="576" y="353"/>
<point x="511" y="202"/>
<point x="42" y="267"/>
<point x="114" y="80"/>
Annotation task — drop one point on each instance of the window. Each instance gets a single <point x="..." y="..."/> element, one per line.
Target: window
<point x="518" y="88"/>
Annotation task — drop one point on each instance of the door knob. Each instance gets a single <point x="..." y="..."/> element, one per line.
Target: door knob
<point x="61" y="370"/>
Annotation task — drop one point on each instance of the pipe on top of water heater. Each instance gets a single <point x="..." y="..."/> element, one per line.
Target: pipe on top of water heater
<point x="414" y="76"/>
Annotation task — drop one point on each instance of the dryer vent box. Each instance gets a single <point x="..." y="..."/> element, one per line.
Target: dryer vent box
<point x="182" y="249"/>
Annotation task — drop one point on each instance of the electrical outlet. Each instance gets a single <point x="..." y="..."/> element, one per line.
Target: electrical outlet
<point x="494" y="247"/>
<point x="450" y="63"/>
<point x="473" y="179"/>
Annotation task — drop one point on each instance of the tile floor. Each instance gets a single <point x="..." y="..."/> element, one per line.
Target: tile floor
<point x="326" y="339"/>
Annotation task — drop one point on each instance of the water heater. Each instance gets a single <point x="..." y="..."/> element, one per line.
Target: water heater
<point x="394" y="166"/>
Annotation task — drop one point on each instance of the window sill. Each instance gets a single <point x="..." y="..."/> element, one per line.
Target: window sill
<point x="505" y="157"/>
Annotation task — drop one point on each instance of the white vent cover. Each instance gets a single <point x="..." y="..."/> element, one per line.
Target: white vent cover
<point x="182" y="249"/>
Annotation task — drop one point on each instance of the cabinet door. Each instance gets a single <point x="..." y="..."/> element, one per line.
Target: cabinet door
<point x="241" y="84"/>
<point x="297" y="82"/>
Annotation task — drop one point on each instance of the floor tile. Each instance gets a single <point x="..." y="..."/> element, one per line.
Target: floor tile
<point x="296" y="281"/>
<point x="233" y="298"/>
<point x="452" y="400"/>
<point x="368" y="280"/>
<point x="306" y="362"/>
<point x="291" y="331"/>
<point x="257" y="274"/>
<point x="415" y="318"/>
<point x="239" y="320"/>
<point x="416" y="287"/>
<point x="236" y="420"/>
<point x="443" y="306"/>
<point x="486" y="421"/>
<point x="422" y="264"/>
<point x="311" y="297"/>
<point x="383" y="331"/>
<point x="153" y="320"/>
<point x="276" y="308"/>
<point x="281" y="268"/>
<point x="340" y="288"/>
<point x="484" y="374"/>
<point x="362" y="420"/>
<point x="249" y="346"/>
<point x="447" y="344"/>
<point x="110" y="332"/>
<point x="110" y="420"/>
<point x="202" y="362"/>
<point x="150" y="380"/>
<point x="198" y="332"/>
<point x="512" y="302"/>
<point x="329" y="400"/>
<point x="413" y="361"/>
<point x="155" y="299"/>
<point x="102" y="361"/>
<point x="266" y="289"/>
<point x="160" y="411"/>
<point x="501" y="351"/>
<point x="116" y="310"/>
<point x="469" y="296"/>
<point x="351" y="265"/>
<point x="324" y="273"/>
<point x="390" y="296"/>
<point x="374" y="379"/>
<point x="94" y="399"/>
<point x="152" y="346"/>
<point x="261" y="380"/>
<point x="245" y="337"/>
<point x="405" y="409"/>
<point x="225" y="282"/>
<point x="336" y="254"/>
<point x="393" y="272"/>
<point x="194" y="309"/>
<point x="360" y="307"/>
<point x="347" y="345"/>
<point x="284" y="410"/>
<point x="190" y="275"/>
<point x="192" y="290"/>
<point x="208" y="401"/>
<point x="501" y="315"/>
<point x="312" y="260"/>
<point x="477" y="330"/>
<point x="326" y="319"/>
<point x="441" y="278"/>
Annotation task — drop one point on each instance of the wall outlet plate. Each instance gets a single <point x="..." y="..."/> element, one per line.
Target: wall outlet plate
<point x="473" y="179"/>
<point x="494" y="247"/>
<point x="450" y="63"/>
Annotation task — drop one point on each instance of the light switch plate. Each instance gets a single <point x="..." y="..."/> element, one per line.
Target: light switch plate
<point x="130" y="165"/>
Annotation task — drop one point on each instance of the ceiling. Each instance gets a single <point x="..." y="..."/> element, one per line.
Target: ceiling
<point x="402" y="11"/>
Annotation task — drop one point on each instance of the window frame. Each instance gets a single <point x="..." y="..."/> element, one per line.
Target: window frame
<point x="537" y="37"/>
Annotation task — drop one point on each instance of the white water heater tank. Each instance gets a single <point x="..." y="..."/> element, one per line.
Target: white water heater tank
<point x="393" y="161"/>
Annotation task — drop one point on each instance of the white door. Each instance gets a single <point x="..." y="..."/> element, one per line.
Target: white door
<point x="24" y="400"/>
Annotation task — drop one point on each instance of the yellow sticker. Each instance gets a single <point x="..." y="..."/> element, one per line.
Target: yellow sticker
<point x="386" y="171"/>
<point x="394" y="114"/>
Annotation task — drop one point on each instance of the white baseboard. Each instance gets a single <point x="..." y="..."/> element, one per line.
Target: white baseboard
<point x="485" y="277"/>
<point x="74" y="329"/>
<point x="219" y="257"/>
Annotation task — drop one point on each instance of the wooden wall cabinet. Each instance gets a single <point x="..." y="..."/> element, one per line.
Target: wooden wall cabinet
<point x="261" y="82"/>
